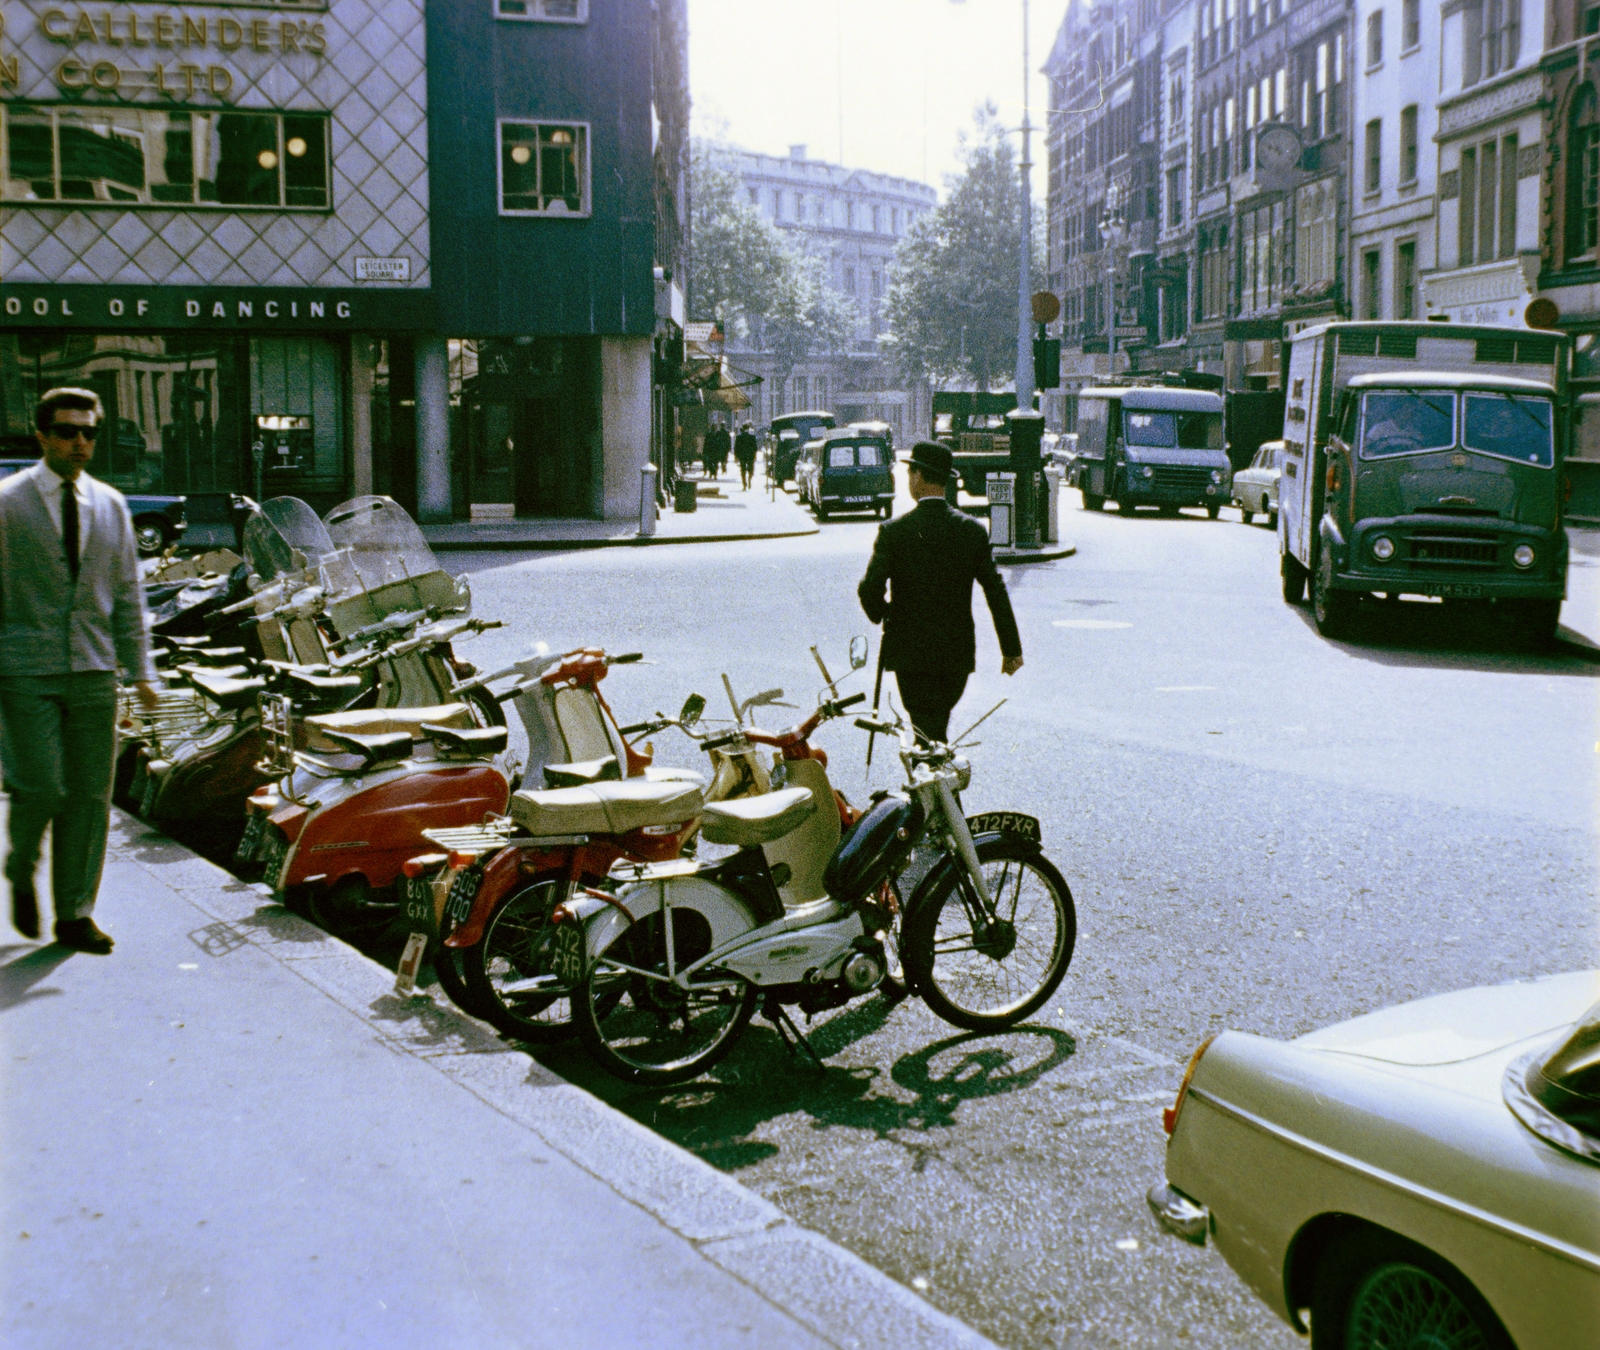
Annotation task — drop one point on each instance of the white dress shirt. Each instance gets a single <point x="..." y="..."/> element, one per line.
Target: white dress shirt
<point x="49" y="483"/>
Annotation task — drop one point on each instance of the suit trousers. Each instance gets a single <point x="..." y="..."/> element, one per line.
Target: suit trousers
<point x="929" y="697"/>
<point x="58" y="738"/>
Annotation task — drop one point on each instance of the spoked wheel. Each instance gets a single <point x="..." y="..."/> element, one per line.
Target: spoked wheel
<point x="511" y="974"/>
<point x="981" y="974"/>
<point x="447" y="969"/>
<point x="646" y="1029"/>
<point x="1374" y="1291"/>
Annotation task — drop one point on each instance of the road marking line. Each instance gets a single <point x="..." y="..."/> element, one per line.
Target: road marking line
<point x="1186" y="688"/>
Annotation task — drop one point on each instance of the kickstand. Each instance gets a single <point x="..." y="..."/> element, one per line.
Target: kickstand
<point x="788" y="1032"/>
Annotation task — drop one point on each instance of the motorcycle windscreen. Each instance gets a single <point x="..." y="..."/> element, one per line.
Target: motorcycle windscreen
<point x="382" y="561"/>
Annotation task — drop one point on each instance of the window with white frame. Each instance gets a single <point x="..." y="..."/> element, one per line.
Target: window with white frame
<point x="1314" y="211"/>
<point x="1375" y="39"/>
<point x="1491" y="36"/>
<point x="544" y="169"/>
<point x="543" y="11"/>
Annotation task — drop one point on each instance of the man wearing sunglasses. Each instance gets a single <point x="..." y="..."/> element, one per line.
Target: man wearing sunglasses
<point x="71" y="613"/>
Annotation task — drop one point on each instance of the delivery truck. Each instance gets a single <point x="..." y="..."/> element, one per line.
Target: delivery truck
<point x="1424" y="460"/>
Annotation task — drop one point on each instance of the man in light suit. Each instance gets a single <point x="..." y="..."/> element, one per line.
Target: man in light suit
<point x="71" y="612"/>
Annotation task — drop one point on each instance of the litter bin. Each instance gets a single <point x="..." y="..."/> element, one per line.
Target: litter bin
<point x="1052" y="510"/>
<point x="1002" y="489"/>
<point x="647" y="500"/>
<point x="684" y="495"/>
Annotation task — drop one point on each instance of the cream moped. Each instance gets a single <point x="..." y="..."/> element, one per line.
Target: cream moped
<point x="670" y="968"/>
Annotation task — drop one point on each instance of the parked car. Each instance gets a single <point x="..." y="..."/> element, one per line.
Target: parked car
<point x="848" y="470"/>
<point x="158" y="522"/>
<point x="790" y="431"/>
<point x="1255" y="488"/>
<point x="1424" y="1175"/>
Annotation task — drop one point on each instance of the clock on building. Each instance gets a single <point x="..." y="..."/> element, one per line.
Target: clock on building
<point x="1278" y="151"/>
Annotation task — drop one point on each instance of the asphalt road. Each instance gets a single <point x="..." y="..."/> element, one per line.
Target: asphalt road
<point x="1262" y="830"/>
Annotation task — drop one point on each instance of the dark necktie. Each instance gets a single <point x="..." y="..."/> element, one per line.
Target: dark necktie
<point x="69" y="527"/>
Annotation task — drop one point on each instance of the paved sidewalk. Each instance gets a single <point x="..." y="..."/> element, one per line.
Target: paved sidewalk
<point x="233" y="1133"/>
<point x="734" y="515"/>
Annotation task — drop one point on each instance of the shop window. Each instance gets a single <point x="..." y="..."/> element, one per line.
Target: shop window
<point x="125" y="156"/>
<point x="297" y="415"/>
<point x="544" y="169"/>
<point x="543" y="11"/>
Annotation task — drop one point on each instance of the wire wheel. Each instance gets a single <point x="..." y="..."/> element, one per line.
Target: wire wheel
<point x="511" y="972"/>
<point x="653" y="1030"/>
<point x="980" y="973"/>
<point x="1403" y="1307"/>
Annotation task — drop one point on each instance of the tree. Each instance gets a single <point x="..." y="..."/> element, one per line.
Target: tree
<point x="957" y="270"/>
<point x="738" y="260"/>
<point x="806" y="315"/>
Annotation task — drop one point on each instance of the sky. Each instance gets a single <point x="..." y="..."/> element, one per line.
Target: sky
<point x="767" y="74"/>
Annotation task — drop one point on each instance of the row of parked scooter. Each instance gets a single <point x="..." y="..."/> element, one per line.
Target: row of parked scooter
<point x="559" y="881"/>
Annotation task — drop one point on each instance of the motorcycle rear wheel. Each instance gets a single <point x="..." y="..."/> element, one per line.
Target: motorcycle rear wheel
<point x="517" y="945"/>
<point x="997" y="975"/>
<point x="648" y="1031"/>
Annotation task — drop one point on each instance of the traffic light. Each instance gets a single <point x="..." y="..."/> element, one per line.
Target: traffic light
<point x="1047" y="363"/>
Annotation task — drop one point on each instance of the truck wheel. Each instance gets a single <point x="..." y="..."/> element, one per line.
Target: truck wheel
<point x="1334" y="610"/>
<point x="1246" y="515"/>
<point x="1294" y="579"/>
<point x="1214" y="510"/>
<point x="1534" y="623"/>
<point x="1091" y="502"/>
<point x="1272" y="521"/>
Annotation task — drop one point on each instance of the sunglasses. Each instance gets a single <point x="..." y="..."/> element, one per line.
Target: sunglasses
<point x="66" y="431"/>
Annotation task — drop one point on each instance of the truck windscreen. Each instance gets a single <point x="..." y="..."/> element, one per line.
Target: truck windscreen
<point x="1406" y="422"/>
<point x="1509" y="427"/>
<point x="1174" y="430"/>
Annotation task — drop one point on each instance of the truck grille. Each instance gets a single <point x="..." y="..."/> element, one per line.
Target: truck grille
<point x="1439" y="548"/>
<point x="1181" y="478"/>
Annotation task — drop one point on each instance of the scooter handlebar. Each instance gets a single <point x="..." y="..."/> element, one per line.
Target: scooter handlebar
<point x="626" y="659"/>
<point x="717" y="742"/>
<point x="882" y="728"/>
<point x="838" y="706"/>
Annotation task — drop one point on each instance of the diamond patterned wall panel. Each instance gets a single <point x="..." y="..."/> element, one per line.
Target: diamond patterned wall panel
<point x="371" y="78"/>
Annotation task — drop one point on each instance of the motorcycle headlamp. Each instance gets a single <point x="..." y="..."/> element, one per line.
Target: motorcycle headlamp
<point x="962" y="767"/>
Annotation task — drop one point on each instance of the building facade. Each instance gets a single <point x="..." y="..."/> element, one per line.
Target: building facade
<point x="852" y="220"/>
<point x="226" y="219"/>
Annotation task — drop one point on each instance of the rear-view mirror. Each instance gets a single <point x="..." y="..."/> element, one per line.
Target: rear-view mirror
<point x="693" y="706"/>
<point x="858" y="652"/>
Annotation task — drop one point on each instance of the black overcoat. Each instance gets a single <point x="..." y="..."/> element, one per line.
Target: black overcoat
<point x="927" y="560"/>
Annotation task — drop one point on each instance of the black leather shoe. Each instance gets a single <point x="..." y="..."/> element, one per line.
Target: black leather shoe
<point x="24" y="910"/>
<point x="84" y="935"/>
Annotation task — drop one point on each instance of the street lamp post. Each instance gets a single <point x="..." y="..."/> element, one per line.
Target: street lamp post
<point x="1113" y="232"/>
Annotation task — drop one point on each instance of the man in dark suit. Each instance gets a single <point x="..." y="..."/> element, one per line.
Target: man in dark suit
<point x="71" y="612"/>
<point x="928" y="560"/>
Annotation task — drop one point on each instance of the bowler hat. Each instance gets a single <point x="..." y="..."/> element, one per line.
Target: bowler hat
<point x="931" y="460"/>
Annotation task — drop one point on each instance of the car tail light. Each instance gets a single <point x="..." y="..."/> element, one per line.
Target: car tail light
<point x="1169" y="1116"/>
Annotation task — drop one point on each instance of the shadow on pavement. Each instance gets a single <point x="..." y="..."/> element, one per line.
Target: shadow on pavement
<point x="715" y="1117"/>
<point x="18" y="977"/>
<point x="1413" y="633"/>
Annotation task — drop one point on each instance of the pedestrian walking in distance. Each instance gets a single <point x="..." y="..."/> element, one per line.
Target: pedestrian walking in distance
<point x="928" y="559"/>
<point x="744" y="450"/>
<point x="71" y="612"/>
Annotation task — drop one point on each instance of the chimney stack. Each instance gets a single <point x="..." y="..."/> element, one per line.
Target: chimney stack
<point x="797" y="152"/>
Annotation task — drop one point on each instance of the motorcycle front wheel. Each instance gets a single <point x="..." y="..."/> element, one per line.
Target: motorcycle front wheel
<point x="979" y="973"/>
<point x="651" y="1031"/>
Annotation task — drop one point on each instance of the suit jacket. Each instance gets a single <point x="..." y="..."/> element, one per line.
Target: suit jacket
<point x="928" y="560"/>
<point x="48" y="624"/>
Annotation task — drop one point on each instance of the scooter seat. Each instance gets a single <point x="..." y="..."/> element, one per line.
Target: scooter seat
<point x="605" y="808"/>
<point x="324" y="688"/>
<point x="582" y="773"/>
<point x="228" y="694"/>
<point x="664" y="775"/>
<point x="383" y="721"/>
<point x="466" y="741"/>
<point x="387" y="748"/>
<point x="757" y="820"/>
